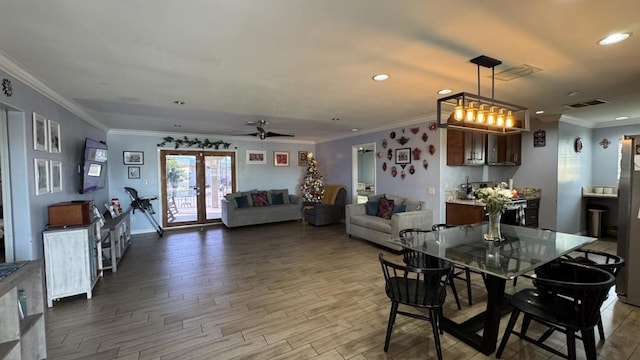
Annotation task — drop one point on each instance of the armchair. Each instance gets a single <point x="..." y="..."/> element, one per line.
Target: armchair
<point x="330" y="210"/>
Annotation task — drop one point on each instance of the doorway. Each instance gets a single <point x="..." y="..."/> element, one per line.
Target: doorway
<point x="193" y="184"/>
<point x="363" y="172"/>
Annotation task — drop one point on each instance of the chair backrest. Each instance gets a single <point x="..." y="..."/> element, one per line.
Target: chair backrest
<point x="421" y="287"/>
<point x="133" y="193"/>
<point x="602" y="260"/>
<point x="413" y="238"/>
<point x="438" y="227"/>
<point x="585" y="287"/>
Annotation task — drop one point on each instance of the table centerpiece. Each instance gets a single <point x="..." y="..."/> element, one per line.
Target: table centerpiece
<point x="496" y="200"/>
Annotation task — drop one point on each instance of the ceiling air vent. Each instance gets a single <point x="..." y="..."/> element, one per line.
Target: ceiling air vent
<point x="517" y="72"/>
<point x="587" y="103"/>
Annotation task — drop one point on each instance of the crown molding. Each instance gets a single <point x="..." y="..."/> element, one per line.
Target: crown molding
<point x="228" y="138"/>
<point x="426" y="119"/>
<point x="15" y="69"/>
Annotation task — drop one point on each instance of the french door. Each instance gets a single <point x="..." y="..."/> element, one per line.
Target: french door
<point x="193" y="184"/>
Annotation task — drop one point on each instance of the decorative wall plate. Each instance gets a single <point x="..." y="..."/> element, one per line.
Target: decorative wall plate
<point x="394" y="171"/>
<point x="425" y="137"/>
<point x="425" y="164"/>
<point x="416" y="153"/>
<point x="415" y="130"/>
<point x="384" y="166"/>
<point x="433" y="126"/>
<point x="432" y="149"/>
<point x="390" y="154"/>
<point x="379" y="154"/>
<point x="402" y="175"/>
<point x="384" y="143"/>
<point x="412" y="169"/>
<point x="578" y="145"/>
<point x="392" y="135"/>
<point x="403" y="140"/>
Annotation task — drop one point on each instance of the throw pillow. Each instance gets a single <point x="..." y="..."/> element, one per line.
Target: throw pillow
<point x="242" y="202"/>
<point x="260" y="199"/>
<point x="385" y="207"/>
<point x="372" y="208"/>
<point x="285" y="195"/>
<point x="277" y="199"/>
<point x="398" y="209"/>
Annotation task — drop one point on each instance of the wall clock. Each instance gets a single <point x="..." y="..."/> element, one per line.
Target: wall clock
<point x="577" y="146"/>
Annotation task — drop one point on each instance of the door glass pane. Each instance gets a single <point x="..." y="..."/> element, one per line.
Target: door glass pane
<point x="181" y="188"/>
<point x="218" y="182"/>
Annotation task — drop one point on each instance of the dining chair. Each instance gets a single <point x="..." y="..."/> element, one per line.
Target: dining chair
<point x="567" y="298"/>
<point x="421" y="260"/>
<point x="422" y="288"/>
<point x="459" y="272"/>
<point x="602" y="260"/>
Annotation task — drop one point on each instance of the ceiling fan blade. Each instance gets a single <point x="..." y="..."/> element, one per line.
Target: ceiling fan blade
<point x="260" y="129"/>
<point x="278" y="134"/>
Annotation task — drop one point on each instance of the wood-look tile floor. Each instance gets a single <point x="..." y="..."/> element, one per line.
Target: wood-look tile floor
<point x="281" y="291"/>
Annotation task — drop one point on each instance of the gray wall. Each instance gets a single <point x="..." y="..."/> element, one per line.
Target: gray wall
<point x="30" y="212"/>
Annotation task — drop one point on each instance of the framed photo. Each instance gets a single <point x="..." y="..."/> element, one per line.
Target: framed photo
<point x="133" y="158"/>
<point x="40" y="140"/>
<point x="280" y="158"/>
<point x="134" y="172"/>
<point x="54" y="137"/>
<point x="55" y="172"/>
<point x="256" y="157"/>
<point x="303" y="158"/>
<point x="403" y="156"/>
<point x="41" y="168"/>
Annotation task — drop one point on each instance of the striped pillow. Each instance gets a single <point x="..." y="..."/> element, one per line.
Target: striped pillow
<point x="260" y="199"/>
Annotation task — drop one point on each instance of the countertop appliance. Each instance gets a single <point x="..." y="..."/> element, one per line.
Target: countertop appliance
<point x="629" y="221"/>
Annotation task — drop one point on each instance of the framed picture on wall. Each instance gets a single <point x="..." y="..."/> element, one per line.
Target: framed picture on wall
<point x="54" y="137"/>
<point x="256" y="157"/>
<point x="134" y="172"/>
<point x="303" y="158"/>
<point x="41" y="171"/>
<point x="55" y="172"/>
<point x="40" y="140"/>
<point x="280" y="158"/>
<point x="133" y="158"/>
<point x="403" y="156"/>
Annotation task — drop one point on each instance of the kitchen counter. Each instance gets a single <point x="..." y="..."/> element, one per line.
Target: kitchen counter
<point x="588" y="191"/>
<point x="466" y="202"/>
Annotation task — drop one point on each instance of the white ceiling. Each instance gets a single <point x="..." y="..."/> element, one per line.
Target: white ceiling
<point x="299" y="64"/>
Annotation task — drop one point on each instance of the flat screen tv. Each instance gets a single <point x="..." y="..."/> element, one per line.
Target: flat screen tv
<point x="94" y="176"/>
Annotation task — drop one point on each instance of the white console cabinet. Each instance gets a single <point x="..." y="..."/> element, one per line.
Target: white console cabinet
<point x="71" y="260"/>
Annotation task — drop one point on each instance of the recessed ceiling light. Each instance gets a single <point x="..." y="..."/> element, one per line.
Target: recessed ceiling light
<point x="354" y="130"/>
<point x="335" y="119"/>
<point x="573" y="93"/>
<point x="178" y="102"/>
<point x="445" y="91"/>
<point x="614" y="38"/>
<point x="380" y="77"/>
<point x="622" y="118"/>
<point x="540" y="112"/>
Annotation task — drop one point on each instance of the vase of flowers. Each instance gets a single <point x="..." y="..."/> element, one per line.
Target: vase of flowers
<point x="495" y="200"/>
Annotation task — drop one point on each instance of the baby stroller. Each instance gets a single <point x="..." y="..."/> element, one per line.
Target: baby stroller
<point x="144" y="205"/>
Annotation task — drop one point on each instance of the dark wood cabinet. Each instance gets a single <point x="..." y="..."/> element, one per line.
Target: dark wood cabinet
<point x="504" y="149"/>
<point x="460" y="214"/>
<point x="531" y="213"/>
<point x="465" y="148"/>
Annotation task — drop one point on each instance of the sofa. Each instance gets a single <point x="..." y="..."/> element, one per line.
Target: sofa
<point x="260" y="207"/>
<point x="365" y="221"/>
<point x="330" y="210"/>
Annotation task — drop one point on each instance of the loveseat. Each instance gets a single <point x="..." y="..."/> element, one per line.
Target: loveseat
<point x="366" y="221"/>
<point x="330" y="210"/>
<point x="260" y="207"/>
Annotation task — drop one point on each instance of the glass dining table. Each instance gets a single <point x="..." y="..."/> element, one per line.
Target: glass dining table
<point x="522" y="250"/>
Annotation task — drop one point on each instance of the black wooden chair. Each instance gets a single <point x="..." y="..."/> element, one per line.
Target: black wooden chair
<point x="459" y="272"/>
<point x="422" y="288"/>
<point x="567" y="298"/>
<point x="602" y="260"/>
<point x="421" y="260"/>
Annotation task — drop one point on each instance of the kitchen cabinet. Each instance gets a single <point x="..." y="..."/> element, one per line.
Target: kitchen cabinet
<point x="71" y="260"/>
<point x="504" y="149"/>
<point x="465" y="148"/>
<point x="22" y="333"/>
<point x="461" y="214"/>
<point x="531" y="213"/>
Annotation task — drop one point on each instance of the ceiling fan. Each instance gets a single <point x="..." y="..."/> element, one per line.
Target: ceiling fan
<point x="262" y="133"/>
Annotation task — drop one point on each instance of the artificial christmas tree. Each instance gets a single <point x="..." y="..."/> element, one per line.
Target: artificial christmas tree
<point x="312" y="187"/>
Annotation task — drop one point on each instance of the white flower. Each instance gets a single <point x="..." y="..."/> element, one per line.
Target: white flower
<point x="497" y="199"/>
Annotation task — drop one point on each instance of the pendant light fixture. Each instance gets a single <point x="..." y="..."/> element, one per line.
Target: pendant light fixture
<point x="470" y="111"/>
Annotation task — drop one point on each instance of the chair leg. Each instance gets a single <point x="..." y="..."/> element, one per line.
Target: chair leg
<point x="433" y="313"/>
<point x="507" y="332"/>
<point x="600" y="328"/>
<point x="589" y="341"/>
<point x="571" y="345"/>
<point x="392" y="319"/>
<point x="467" y="273"/>
<point x="526" y="321"/>
<point x="453" y="289"/>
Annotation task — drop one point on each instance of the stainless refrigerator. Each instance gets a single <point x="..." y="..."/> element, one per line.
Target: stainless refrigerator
<point x="628" y="280"/>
